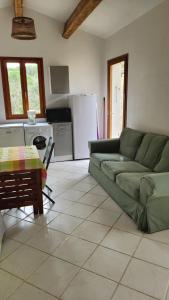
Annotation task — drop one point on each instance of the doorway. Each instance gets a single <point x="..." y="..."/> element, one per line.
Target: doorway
<point x="117" y="95"/>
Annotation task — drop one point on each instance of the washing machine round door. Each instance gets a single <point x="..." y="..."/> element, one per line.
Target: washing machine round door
<point x="40" y="142"/>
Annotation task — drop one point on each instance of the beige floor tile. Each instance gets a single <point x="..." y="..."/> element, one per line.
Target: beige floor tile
<point x="50" y="181"/>
<point x="44" y="219"/>
<point x="23" y="262"/>
<point x="98" y="190"/>
<point x="58" y="190"/>
<point x="64" y="184"/>
<point x="125" y="223"/>
<point x="91" y="231"/>
<point x="154" y="252"/>
<point x="45" y="200"/>
<point x="58" y="183"/>
<point x="18" y="213"/>
<point x="121" y="241"/>
<point x="8" y="284"/>
<point x="22" y="231"/>
<point x="124" y="293"/>
<point x="104" y="216"/>
<point x="47" y="239"/>
<point x="75" y="250"/>
<point x="79" y="210"/>
<point x="161" y="236"/>
<point x="79" y="170"/>
<point x="8" y="246"/>
<point x="51" y="178"/>
<point x="146" y="278"/>
<point x="110" y="204"/>
<point x="108" y="263"/>
<point x="65" y="223"/>
<point x="60" y="205"/>
<point x="54" y="276"/>
<point x="89" y="179"/>
<point x="88" y="286"/>
<point x="28" y="292"/>
<point x="92" y="199"/>
<point x="72" y="195"/>
<point x="26" y="210"/>
<point x="82" y="163"/>
<point x="10" y="221"/>
<point x="52" y="172"/>
<point x="83" y="187"/>
<point x="74" y="176"/>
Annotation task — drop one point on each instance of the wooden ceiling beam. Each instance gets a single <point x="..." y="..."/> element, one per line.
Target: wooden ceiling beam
<point x="81" y="12"/>
<point x="18" y="7"/>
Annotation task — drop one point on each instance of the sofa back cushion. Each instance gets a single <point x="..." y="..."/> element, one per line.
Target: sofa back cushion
<point x="130" y="140"/>
<point x="163" y="164"/>
<point x="150" y="150"/>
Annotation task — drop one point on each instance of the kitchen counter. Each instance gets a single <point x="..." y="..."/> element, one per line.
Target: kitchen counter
<point x="11" y="125"/>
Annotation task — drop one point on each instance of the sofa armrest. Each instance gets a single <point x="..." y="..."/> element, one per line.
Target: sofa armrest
<point x="154" y="186"/>
<point x="104" y="146"/>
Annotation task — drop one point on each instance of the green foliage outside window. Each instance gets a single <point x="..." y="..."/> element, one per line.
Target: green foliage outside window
<point x="15" y="87"/>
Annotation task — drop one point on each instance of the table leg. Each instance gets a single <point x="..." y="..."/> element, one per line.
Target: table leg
<point x="41" y="208"/>
<point x="39" y="192"/>
<point x="35" y="209"/>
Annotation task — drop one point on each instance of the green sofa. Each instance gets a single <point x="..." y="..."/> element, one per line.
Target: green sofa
<point x="134" y="170"/>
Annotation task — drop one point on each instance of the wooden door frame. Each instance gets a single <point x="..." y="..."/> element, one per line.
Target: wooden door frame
<point x="109" y="90"/>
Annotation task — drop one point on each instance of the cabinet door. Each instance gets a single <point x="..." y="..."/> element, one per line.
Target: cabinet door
<point x="62" y="136"/>
<point x="11" y="137"/>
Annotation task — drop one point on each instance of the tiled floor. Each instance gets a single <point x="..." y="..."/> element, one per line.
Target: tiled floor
<point x="83" y="247"/>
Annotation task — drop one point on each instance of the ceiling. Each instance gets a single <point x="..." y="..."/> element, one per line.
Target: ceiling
<point x="109" y="17"/>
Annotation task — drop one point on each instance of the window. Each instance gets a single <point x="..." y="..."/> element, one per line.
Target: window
<point x="23" y="87"/>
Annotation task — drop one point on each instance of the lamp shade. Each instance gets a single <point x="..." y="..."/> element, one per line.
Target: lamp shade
<point x="23" y="28"/>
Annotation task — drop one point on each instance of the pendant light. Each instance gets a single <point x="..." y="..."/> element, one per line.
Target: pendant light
<point x="23" y="28"/>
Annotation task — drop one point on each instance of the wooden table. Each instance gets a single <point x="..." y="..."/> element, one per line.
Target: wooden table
<point x="22" y="176"/>
<point x="2" y="231"/>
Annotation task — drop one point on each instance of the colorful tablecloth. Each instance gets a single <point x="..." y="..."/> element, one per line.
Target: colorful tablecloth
<point x="21" y="158"/>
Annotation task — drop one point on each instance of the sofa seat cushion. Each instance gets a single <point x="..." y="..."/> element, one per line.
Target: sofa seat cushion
<point x="98" y="158"/>
<point x="113" y="168"/>
<point x="130" y="140"/>
<point x="130" y="183"/>
<point x="150" y="150"/>
<point x="163" y="164"/>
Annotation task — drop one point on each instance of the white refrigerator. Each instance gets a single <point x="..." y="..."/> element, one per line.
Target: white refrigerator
<point x="84" y="119"/>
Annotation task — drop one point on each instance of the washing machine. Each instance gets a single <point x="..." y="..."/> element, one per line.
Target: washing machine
<point x="38" y="135"/>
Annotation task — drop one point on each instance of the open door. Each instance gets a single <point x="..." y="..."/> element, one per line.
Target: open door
<point x="117" y="95"/>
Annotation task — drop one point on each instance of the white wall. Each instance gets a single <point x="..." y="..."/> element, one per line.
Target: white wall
<point x="83" y="53"/>
<point x="147" y="42"/>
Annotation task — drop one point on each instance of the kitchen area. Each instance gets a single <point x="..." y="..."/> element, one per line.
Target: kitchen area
<point x="70" y="128"/>
<point x="70" y="125"/>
